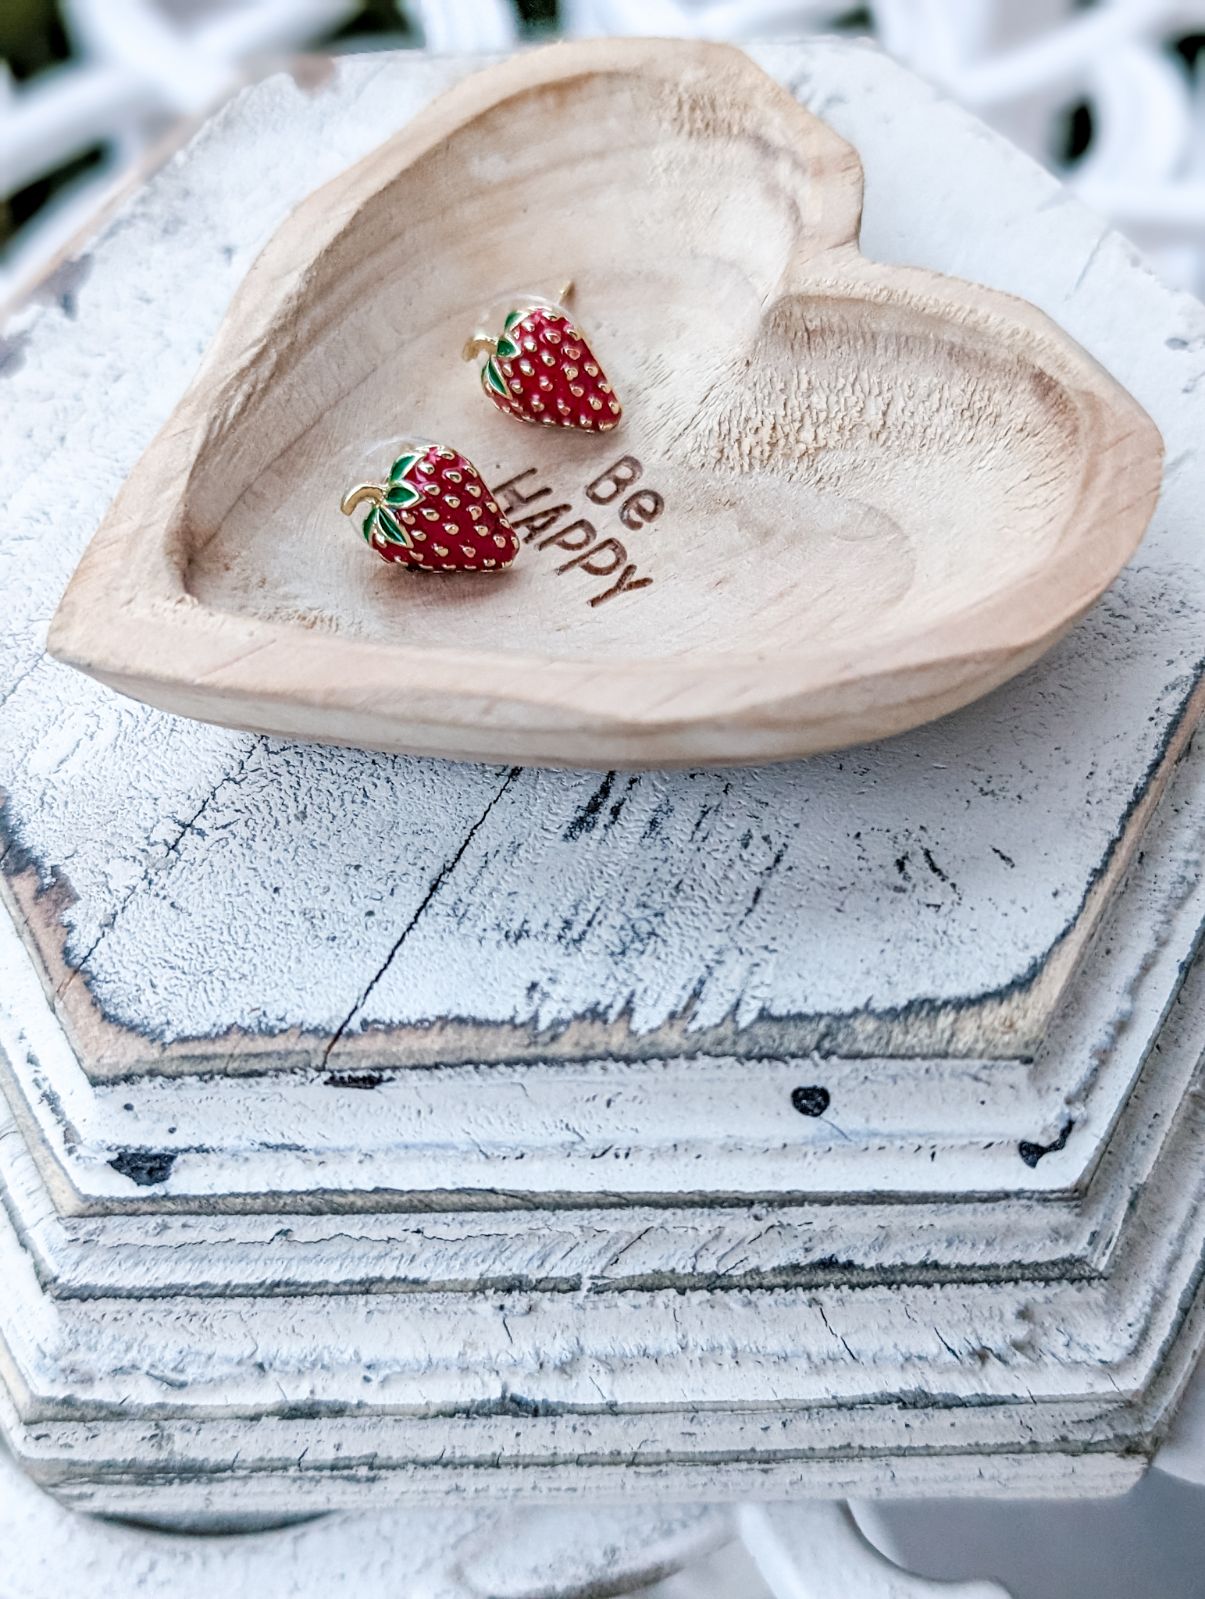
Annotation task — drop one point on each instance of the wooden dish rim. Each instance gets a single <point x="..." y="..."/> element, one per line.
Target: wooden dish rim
<point x="141" y="628"/>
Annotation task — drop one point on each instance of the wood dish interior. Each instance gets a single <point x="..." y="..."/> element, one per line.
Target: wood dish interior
<point x="844" y="498"/>
<point x="814" y="464"/>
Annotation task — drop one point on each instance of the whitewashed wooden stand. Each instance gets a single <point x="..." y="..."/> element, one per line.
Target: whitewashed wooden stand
<point x="416" y="1141"/>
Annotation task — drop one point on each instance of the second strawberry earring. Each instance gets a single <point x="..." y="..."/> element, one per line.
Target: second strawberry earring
<point x="539" y="367"/>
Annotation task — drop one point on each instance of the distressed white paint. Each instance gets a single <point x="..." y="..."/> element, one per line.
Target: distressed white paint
<point x="1183" y="1450"/>
<point x="612" y="1381"/>
<point x="536" y="1266"/>
<point x="707" y="897"/>
<point x="660" y="1128"/>
<point x="453" y="1553"/>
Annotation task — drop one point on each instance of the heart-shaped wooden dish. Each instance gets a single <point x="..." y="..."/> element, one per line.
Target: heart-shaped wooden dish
<point x="869" y="493"/>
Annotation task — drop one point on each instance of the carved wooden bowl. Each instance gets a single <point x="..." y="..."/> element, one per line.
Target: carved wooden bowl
<point x="844" y="499"/>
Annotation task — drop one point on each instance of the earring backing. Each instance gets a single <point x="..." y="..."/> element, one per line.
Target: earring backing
<point x="540" y="367"/>
<point x="434" y="513"/>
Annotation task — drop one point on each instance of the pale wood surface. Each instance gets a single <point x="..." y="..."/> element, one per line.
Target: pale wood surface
<point x="900" y="899"/>
<point x="878" y="492"/>
<point x="256" y="1261"/>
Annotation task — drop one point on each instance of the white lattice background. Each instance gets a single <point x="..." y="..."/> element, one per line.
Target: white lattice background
<point x="1025" y="65"/>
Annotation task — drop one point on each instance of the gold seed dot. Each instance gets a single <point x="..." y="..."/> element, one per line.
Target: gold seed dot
<point x="488" y="562"/>
<point x="529" y="344"/>
<point x="451" y="500"/>
<point x="570" y="372"/>
<point x="447" y="455"/>
<point x="500" y="541"/>
<point x="585" y="421"/>
<point x="547" y="359"/>
<point x="452" y="476"/>
<point x="490" y="506"/>
<point x="545" y="383"/>
<point x="419" y="534"/>
<point x="516" y="385"/>
<point x="595" y="405"/>
<point x="466" y="549"/>
<point x="430" y="513"/>
<point x="552" y="336"/>
<point x="451" y="529"/>
<point x="614" y="404"/>
<point x="474" y="511"/>
<point x="537" y="405"/>
<point x="440" y="549"/>
<point x="473" y="489"/>
<point x="407" y="517"/>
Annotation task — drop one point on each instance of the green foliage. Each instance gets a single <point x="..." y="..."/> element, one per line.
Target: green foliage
<point x="539" y="13"/>
<point x="31" y="36"/>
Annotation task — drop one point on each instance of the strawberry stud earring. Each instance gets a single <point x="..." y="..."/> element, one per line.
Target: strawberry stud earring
<point x="540" y="368"/>
<point x="435" y="513"/>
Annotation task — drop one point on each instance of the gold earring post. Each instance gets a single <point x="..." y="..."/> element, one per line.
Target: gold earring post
<point x="477" y="344"/>
<point x="482" y="343"/>
<point x="357" y="496"/>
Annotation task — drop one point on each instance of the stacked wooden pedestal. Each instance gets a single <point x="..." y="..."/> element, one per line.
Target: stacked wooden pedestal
<point x="377" y="1130"/>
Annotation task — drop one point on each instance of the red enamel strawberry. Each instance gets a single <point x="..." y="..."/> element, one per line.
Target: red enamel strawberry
<point x="542" y="370"/>
<point x="435" y="513"/>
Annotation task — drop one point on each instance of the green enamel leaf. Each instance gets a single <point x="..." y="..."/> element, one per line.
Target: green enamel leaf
<point x="392" y="529"/>
<point x="507" y="348"/>
<point x="492" y="377"/>
<point x="402" y="465"/>
<point x="402" y="494"/>
<point x="368" y="524"/>
<point x="512" y="318"/>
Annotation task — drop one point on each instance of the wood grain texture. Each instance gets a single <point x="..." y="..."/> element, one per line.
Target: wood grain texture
<point x="693" y="1348"/>
<point x="875" y="493"/>
<point x="465" y="1553"/>
<point x="899" y="900"/>
<point x="378" y="1130"/>
<point x="603" y="1129"/>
